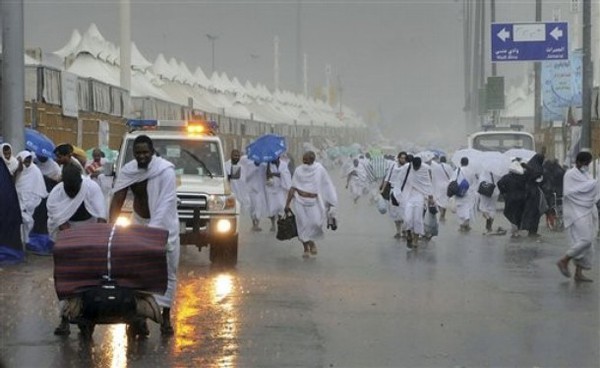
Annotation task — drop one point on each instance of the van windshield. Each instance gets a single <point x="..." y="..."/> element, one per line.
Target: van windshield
<point x="502" y="141"/>
<point x="189" y="157"/>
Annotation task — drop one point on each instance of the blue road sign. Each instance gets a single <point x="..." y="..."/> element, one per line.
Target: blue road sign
<point x="530" y="41"/>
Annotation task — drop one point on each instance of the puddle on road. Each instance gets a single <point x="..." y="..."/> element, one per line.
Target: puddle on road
<point x="206" y="320"/>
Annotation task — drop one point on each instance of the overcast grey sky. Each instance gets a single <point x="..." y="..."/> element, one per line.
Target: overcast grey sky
<point x="403" y="57"/>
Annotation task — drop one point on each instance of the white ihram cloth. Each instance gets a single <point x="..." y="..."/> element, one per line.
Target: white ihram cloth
<point x="311" y="212"/>
<point x="162" y="193"/>
<point x="61" y="207"/>
<point x="12" y="164"/>
<point x="465" y="206"/>
<point x="277" y="188"/>
<point x="237" y="185"/>
<point x="441" y="175"/>
<point x="417" y="189"/>
<point x="50" y="169"/>
<point x="162" y="202"/>
<point x="487" y="205"/>
<point x="31" y="189"/>
<point x="358" y="183"/>
<point x="580" y="195"/>
<point x="397" y="178"/>
<point x="256" y="180"/>
<point x="165" y="300"/>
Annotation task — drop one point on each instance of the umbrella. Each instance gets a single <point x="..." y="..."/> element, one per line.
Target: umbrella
<point x="495" y="162"/>
<point x="437" y="152"/>
<point x="109" y="155"/>
<point x="38" y="143"/>
<point x="522" y="153"/>
<point x="266" y="148"/>
<point x="474" y="156"/>
<point x="426" y="156"/>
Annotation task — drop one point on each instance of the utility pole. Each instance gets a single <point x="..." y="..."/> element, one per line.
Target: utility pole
<point x="13" y="74"/>
<point x="276" y="63"/>
<point x="588" y="78"/>
<point x="493" y="20"/>
<point x="340" y="90"/>
<point x="328" y="83"/>
<point x="475" y="82"/>
<point x="305" y="75"/>
<point x="537" y="67"/>
<point x="298" y="45"/>
<point x="212" y="39"/>
<point x="467" y="49"/>
<point x="125" y="53"/>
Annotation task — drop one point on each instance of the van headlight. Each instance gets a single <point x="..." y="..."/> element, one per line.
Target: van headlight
<point x="123" y="221"/>
<point x="221" y="202"/>
<point x="223" y="226"/>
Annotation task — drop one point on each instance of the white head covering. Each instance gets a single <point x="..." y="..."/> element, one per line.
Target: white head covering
<point x="30" y="184"/>
<point x="12" y="162"/>
<point x="515" y="167"/>
<point x="50" y="169"/>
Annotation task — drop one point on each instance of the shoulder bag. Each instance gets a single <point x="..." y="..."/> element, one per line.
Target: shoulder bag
<point x="387" y="186"/>
<point x="452" y="189"/>
<point x="485" y="188"/>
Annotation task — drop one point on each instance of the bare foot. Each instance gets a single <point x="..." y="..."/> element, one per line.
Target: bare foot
<point x="563" y="267"/>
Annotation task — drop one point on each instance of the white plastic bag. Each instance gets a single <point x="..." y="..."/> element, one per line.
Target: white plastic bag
<point x="431" y="224"/>
<point x="382" y="205"/>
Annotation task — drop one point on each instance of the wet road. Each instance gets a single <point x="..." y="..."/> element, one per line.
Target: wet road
<point x="364" y="301"/>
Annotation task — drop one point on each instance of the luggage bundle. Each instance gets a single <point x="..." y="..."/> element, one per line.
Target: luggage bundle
<point x="89" y="255"/>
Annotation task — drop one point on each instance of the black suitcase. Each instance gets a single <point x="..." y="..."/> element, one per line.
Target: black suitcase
<point x="108" y="303"/>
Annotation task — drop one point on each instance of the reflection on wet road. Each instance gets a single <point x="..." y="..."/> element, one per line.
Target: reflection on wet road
<point x="364" y="301"/>
<point x="206" y="317"/>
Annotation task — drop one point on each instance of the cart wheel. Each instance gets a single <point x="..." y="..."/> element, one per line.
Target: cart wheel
<point x="137" y="328"/>
<point x="86" y="329"/>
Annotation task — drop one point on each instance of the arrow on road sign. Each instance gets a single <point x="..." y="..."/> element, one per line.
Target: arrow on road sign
<point x="504" y="34"/>
<point x="556" y="33"/>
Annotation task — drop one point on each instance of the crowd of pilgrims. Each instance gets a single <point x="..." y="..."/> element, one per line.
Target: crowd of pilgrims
<point x="417" y="199"/>
<point x="418" y="186"/>
<point x="35" y="178"/>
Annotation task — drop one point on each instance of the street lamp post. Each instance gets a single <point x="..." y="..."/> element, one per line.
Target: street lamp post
<point x="212" y="39"/>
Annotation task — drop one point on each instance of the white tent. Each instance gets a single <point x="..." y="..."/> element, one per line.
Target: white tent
<point x="70" y="47"/>
<point x="138" y="61"/>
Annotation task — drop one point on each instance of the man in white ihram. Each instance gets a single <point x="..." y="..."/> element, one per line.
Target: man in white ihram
<point x="580" y="195"/>
<point x="418" y="194"/>
<point x="440" y="178"/>
<point x="236" y="178"/>
<point x="314" y="199"/>
<point x="278" y="183"/>
<point x="465" y="206"/>
<point x="255" y="174"/>
<point x="74" y="201"/>
<point x="153" y="183"/>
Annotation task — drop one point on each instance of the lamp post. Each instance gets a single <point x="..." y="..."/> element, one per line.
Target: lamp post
<point x="212" y="39"/>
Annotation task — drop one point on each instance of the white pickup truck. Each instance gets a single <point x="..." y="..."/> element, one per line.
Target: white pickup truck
<point x="208" y="210"/>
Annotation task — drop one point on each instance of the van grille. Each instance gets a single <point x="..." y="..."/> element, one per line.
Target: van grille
<point x="187" y="202"/>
